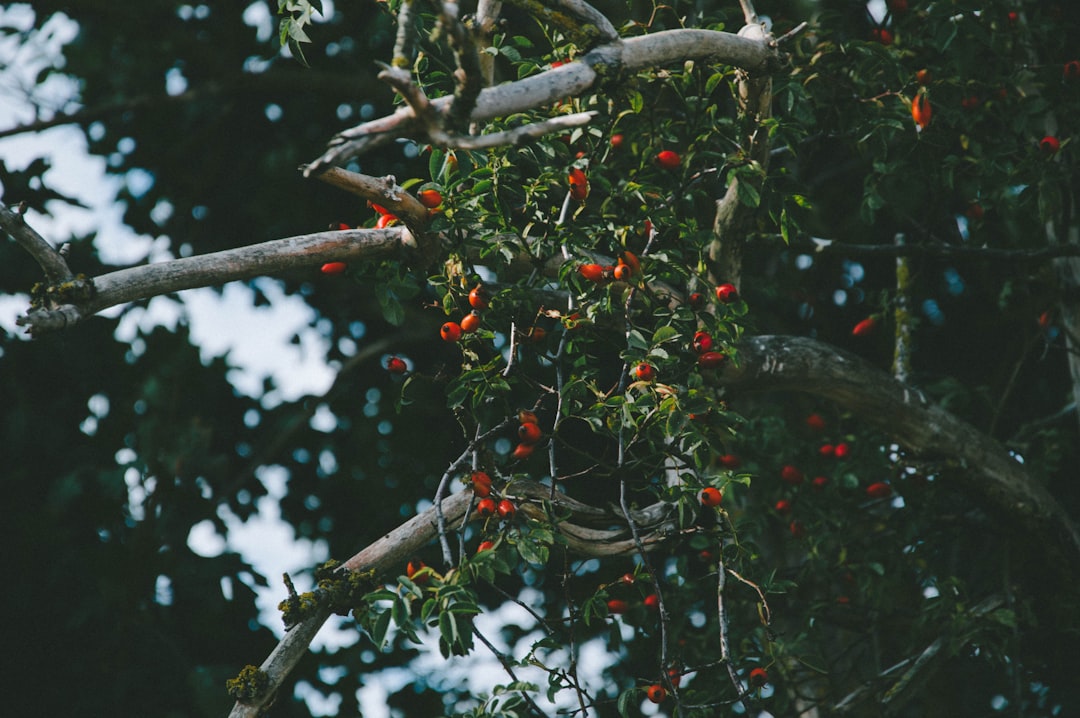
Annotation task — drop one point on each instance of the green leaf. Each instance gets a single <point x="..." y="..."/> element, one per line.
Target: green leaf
<point x="748" y="195"/>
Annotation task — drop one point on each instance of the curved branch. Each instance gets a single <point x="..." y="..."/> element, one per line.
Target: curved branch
<point x="1000" y="481"/>
<point x="572" y="79"/>
<point x="50" y="260"/>
<point x="395" y="548"/>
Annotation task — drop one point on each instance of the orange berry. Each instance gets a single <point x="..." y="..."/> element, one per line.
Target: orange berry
<point x="656" y="693"/>
<point x="450" y="332"/>
<point x="668" y="160"/>
<point x="710" y="496"/>
<point x="470" y="322"/>
<point x="430" y="198"/>
<point x="921" y="110"/>
<point x="333" y="268"/>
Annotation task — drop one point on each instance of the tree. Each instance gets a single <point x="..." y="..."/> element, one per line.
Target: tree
<point x="636" y="301"/>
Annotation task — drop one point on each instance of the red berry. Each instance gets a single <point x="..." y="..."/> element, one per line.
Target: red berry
<point x="430" y="198"/>
<point x="797" y="529"/>
<point x="478" y="298"/>
<point x="385" y="220"/>
<point x="866" y="326"/>
<point x="783" y="507"/>
<point x="827" y="450"/>
<point x="485" y="546"/>
<point x="730" y="461"/>
<point x="1050" y="145"/>
<point x="791" y="475"/>
<point x="592" y="272"/>
<point x="481" y="483"/>
<point x="923" y="77"/>
<point x="727" y="293"/>
<point x="969" y="102"/>
<point x="759" y="677"/>
<point x="1071" y="70"/>
<point x="537" y="334"/>
<point x="656" y="693"/>
<point x="396" y="365"/>
<point x="842" y="450"/>
<point x="470" y="322"/>
<point x="921" y="110"/>
<point x="668" y="160"/>
<point x="815" y="422"/>
<point x="710" y="496"/>
<point x="627" y="578"/>
<point x="450" y="332"/>
<point x="644" y="372"/>
<point x="819" y="483"/>
<point x="507" y="509"/>
<point x="413" y="568"/>
<point x="702" y="342"/>
<point x="622" y="272"/>
<point x="486" y="507"/>
<point x="1013" y="17"/>
<point x="579" y="183"/>
<point x="675" y="676"/>
<point x="652" y="602"/>
<point x="711" y="360"/>
<point x="333" y="268"/>
<point x="523" y="451"/>
<point x="378" y="208"/>
<point x="529" y="433"/>
<point x="617" y="141"/>
<point x="696" y="300"/>
<point x="885" y="37"/>
<point x="617" y="605"/>
<point x="878" y="490"/>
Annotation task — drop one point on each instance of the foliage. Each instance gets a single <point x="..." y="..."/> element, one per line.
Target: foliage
<point x="831" y="568"/>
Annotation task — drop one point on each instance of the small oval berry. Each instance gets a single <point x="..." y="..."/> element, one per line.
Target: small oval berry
<point x="727" y="293"/>
<point x="842" y="450"/>
<point x="923" y="77"/>
<point x="385" y="220"/>
<point x="414" y="568"/>
<point x="782" y="507"/>
<point x="507" y="509"/>
<point x="711" y="360"/>
<point x="622" y="272"/>
<point x="696" y="300"/>
<point x="668" y="159"/>
<point x="675" y="676"/>
<point x="656" y="693"/>
<point x="481" y="483"/>
<point x="478" y="298"/>
<point x="333" y="268"/>
<point x="471" y="321"/>
<point x="523" y="451"/>
<point x="759" y="677"/>
<point x="819" y="483"/>
<point x="485" y="546"/>
<point x="617" y="141"/>
<point x="703" y="342"/>
<point x="730" y="461"/>
<point x="827" y="450"/>
<point x="617" y="605"/>
<point x="878" y="490"/>
<point x="865" y="327"/>
<point x="644" y="372"/>
<point x="529" y="433"/>
<point x="815" y="422"/>
<point x="592" y="272"/>
<point x="486" y="507"/>
<point x="652" y="602"/>
<point x="791" y="475"/>
<point x="450" y="332"/>
<point x="1071" y="70"/>
<point x="1050" y="145"/>
<point x="537" y="334"/>
<point x="796" y="529"/>
<point x="430" y="198"/>
<point x="710" y="496"/>
<point x="396" y="365"/>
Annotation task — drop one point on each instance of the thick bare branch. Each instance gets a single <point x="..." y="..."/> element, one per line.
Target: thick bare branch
<point x="569" y="80"/>
<point x="54" y="265"/>
<point x="989" y="474"/>
<point x="135" y="283"/>
<point x="395" y="548"/>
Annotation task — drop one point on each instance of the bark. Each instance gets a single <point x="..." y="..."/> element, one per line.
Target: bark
<point x="993" y="477"/>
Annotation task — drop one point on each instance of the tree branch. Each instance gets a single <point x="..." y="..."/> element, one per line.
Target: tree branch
<point x="991" y="475"/>
<point x="829" y="247"/>
<point x="395" y="548"/>
<point x="134" y="283"/>
<point x="569" y="80"/>
<point x="52" y="263"/>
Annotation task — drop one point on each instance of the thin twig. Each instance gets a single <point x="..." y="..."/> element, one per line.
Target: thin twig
<point x="52" y="263"/>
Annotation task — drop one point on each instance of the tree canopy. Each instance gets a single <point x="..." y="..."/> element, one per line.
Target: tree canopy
<point x="691" y="359"/>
